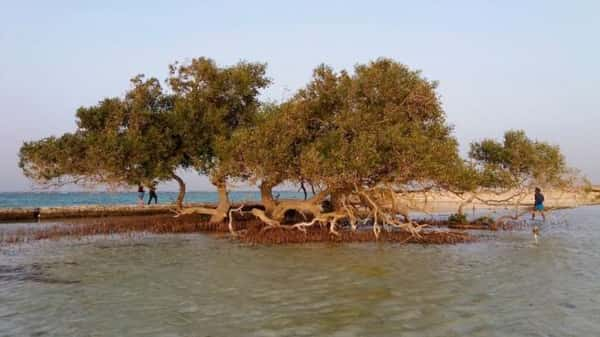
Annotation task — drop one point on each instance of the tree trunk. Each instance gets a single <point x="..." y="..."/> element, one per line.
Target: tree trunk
<point x="266" y="196"/>
<point x="462" y="205"/>
<point x="336" y="201"/>
<point x="223" y="205"/>
<point x="181" y="194"/>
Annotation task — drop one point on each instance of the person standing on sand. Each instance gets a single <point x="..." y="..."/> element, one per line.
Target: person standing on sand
<point x="153" y="195"/>
<point x="141" y="194"/>
<point x="539" y="204"/>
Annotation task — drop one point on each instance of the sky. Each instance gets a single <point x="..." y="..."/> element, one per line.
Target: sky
<point x="530" y="65"/>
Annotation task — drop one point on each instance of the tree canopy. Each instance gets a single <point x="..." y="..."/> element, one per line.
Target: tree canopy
<point x="518" y="161"/>
<point x="210" y="104"/>
<point x="119" y="141"/>
<point x="516" y="164"/>
<point x="355" y="137"/>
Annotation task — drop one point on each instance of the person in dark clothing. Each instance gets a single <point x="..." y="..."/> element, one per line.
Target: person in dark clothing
<point x="141" y="194"/>
<point x="153" y="195"/>
<point x="538" y="204"/>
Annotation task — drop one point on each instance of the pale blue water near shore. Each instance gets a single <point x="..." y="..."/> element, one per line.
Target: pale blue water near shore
<point x="54" y="199"/>
<point x="196" y="285"/>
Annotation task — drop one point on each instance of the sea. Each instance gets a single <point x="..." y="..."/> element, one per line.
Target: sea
<point x="505" y="284"/>
<point x="58" y="199"/>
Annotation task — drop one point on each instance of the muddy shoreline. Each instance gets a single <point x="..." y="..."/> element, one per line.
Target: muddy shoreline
<point x="248" y="231"/>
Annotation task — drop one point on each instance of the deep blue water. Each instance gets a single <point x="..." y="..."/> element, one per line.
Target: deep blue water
<point x="51" y="199"/>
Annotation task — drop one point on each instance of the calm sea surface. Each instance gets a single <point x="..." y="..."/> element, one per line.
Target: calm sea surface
<point x="196" y="285"/>
<point x="106" y="198"/>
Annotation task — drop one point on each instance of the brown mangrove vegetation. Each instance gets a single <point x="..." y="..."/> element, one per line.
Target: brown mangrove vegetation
<point x="250" y="231"/>
<point x="359" y="143"/>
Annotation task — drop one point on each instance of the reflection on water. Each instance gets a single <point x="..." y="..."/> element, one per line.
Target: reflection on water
<point x="195" y="285"/>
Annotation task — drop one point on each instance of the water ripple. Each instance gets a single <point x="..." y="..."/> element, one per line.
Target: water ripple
<point x="193" y="285"/>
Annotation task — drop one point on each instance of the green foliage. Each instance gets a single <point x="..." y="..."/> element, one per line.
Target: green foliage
<point x="518" y="161"/>
<point x="118" y="141"/>
<point x="269" y="149"/>
<point x="458" y="219"/>
<point x="381" y="124"/>
<point x="485" y="220"/>
<point x="210" y="104"/>
<point x="387" y="127"/>
<point x="148" y="134"/>
<point x="587" y="186"/>
<point x="51" y="159"/>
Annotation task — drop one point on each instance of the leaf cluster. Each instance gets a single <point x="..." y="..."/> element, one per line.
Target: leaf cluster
<point x="518" y="161"/>
<point x="382" y="123"/>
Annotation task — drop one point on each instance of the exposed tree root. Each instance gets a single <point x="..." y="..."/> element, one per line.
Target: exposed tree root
<point x="244" y="229"/>
<point x="230" y="225"/>
<point x="262" y="216"/>
<point x="302" y="226"/>
<point x="411" y="227"/>
<point x="503" y="219"/>
<point x="377" y="206"/>
<point x="326" y="219"/>
<point x="194" y="211"/>
<point x="351" y="212"/>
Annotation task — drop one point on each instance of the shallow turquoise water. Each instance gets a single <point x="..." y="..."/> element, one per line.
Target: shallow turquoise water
<point x="196" y="285"/>
<point x="28" y="199"/>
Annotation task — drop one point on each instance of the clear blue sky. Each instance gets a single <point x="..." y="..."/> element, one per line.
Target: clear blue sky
<point x="530" y="65"/>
